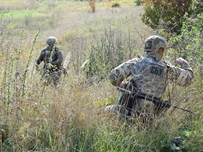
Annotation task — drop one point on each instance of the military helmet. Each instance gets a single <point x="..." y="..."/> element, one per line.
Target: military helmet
<point x="153" y="43"/>
<point x="51" y="40"/>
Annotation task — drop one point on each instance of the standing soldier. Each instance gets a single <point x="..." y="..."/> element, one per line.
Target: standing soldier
<point x="53" y="59"/>
<point x="149" y="77"/>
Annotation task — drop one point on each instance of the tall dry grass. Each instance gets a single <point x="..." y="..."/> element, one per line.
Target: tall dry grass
<point x="35" y="117"/>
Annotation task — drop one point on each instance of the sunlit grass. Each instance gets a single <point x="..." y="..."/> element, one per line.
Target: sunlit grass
<point x="12" y="2"/>
<point x="42" y="118"/>
<point x="19" y="14"/>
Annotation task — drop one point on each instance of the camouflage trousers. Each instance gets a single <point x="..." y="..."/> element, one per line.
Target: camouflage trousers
<point x="141" y="106"/>
<point x="141" y="112"/>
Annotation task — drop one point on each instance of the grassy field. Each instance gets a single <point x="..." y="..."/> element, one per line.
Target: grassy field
<point x="69" y="119"/>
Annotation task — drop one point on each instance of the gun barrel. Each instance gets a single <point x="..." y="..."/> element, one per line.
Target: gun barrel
<point x="123" y="90"/>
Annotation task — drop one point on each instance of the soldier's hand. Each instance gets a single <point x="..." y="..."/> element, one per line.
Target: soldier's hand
<point x="180" y="60"/>
<point x="184" y="64"/>
<point x="37" y="67"/>
<point x="49" y="65"/>
<point x="122" y="85"/>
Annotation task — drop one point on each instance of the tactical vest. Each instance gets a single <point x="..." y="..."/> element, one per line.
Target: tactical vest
<point x="152" y="78"/>
<point x="51" y="56"/>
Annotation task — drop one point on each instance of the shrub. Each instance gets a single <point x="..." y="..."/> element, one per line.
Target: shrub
<point x="115" y="4"/>
<point x="169" y="13"/>
<point x="138" y="2"/>
<point x="107" y="52"/>
<point x="189" y="43"/>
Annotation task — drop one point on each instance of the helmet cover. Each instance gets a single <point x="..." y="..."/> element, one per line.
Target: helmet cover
<point x="51" y="40"/>
<point x="153" y="43"/>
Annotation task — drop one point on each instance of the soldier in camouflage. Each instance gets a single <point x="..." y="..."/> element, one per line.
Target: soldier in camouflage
<point x="52" y="57"/>
<point x="150" y="76"/>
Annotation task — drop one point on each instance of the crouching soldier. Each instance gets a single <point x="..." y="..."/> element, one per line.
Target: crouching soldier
<point x="149" y="78"/>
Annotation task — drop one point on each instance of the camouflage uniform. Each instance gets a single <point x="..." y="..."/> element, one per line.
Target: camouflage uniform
<point x="53" y="59"/>
<point x="151" y="75"/>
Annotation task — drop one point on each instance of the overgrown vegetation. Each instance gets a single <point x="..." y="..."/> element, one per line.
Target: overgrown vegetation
<point x="170" y="14"/>
<point x="41" y="118"/>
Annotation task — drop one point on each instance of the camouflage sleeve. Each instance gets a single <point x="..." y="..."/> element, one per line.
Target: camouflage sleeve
<point x="121" y="72"/>
<point x="59" y="59"/>
<point x="181" y="76"/>
<point x="41" y="57"/>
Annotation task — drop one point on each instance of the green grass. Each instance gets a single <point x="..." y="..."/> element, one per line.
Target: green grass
<point x="20" y="14"/>
<point x="41" y="118"/>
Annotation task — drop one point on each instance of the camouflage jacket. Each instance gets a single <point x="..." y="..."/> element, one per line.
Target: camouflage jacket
<point x="55" y="57"/>
<point x="150" y="76"/>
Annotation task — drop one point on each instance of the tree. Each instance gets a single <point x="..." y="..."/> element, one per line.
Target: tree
<point x="169" y="14"/>
<point x="188" y="43"/>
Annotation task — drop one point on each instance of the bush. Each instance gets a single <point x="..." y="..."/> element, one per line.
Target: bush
<point x="138" y="2"/>
<point x="107" y="52"/>
<point x="189" y="43"/>
<point x="116" y="4"/>
<point x="168" y="13"/>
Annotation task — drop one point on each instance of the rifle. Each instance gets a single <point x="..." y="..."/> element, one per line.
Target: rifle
<point x="158" y="102"/>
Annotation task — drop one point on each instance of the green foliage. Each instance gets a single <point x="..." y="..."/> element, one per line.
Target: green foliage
<point x="42" y="118"/>
<point x="115" y="4"/>
<point x="189" y="43"/>
<point x="106" y="53"/>
<point x="100" y="61"/>
<point x="21" y="14"/>
<point x="138" y="2"/>
<point x="166" y="13"/>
